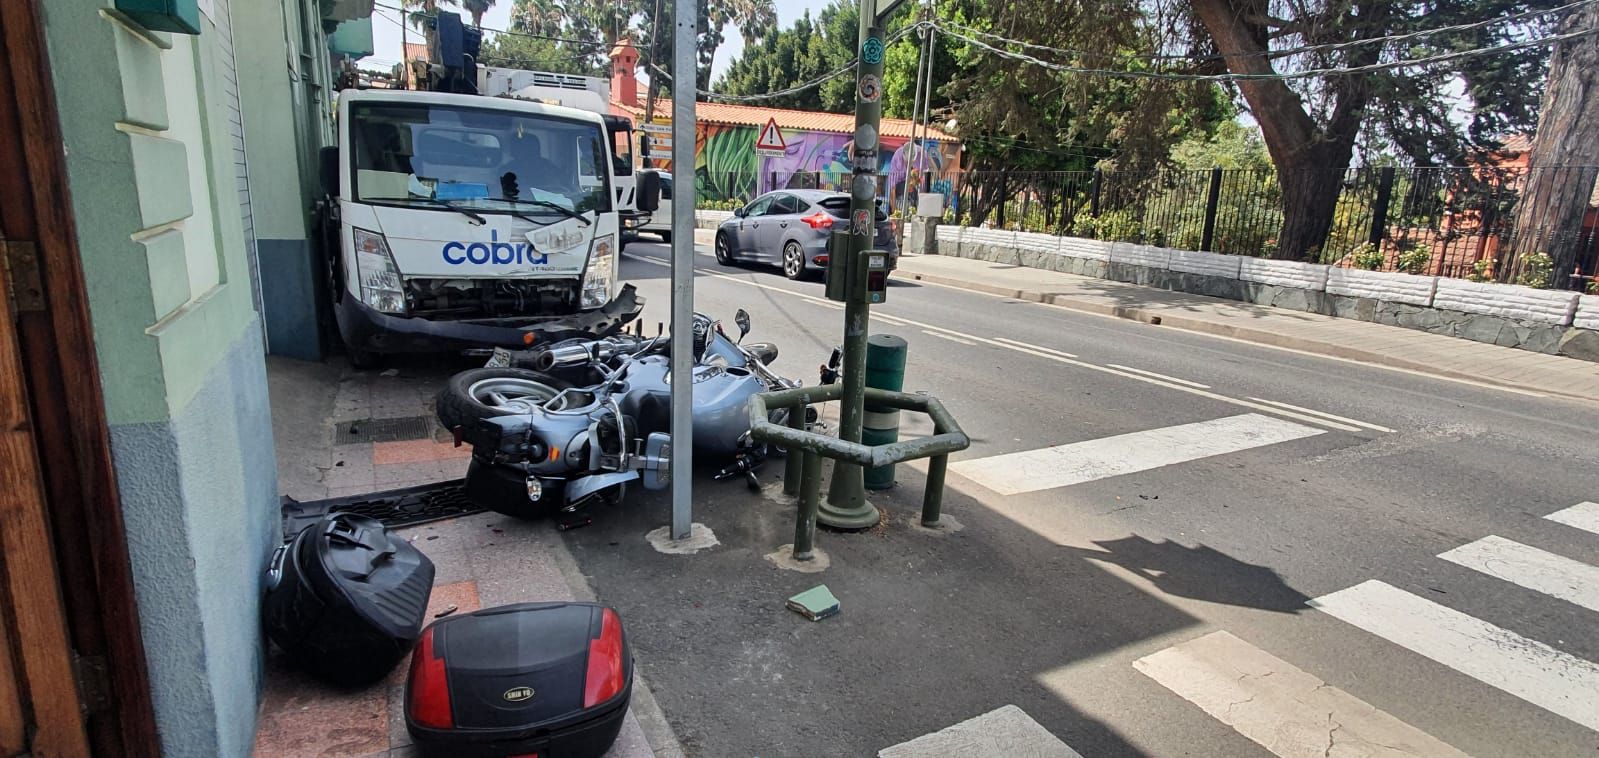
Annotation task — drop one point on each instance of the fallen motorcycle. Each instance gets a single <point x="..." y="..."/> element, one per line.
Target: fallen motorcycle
<point x="555" y="429"/>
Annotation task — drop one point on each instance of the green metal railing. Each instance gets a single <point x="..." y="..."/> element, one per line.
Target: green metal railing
<point x="803" y="477"/>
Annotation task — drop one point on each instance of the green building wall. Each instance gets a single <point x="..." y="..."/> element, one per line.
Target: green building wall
<point x="154" y="181"/>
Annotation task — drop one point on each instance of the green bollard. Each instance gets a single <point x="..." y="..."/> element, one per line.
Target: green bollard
<point x="885" y="370"/>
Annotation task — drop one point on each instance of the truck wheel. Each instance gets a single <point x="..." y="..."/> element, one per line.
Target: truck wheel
<point x="665" y="237"/>
<point x="361" y="360"/>
<point x="486" y="392"/>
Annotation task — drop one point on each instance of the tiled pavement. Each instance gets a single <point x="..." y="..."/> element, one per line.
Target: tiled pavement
<point x="481" y="561"/>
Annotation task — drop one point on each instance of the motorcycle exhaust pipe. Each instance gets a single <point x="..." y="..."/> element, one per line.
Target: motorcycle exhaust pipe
<point x="562" y="355"/>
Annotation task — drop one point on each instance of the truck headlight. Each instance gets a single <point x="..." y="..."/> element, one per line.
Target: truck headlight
<point x="381" y="286"/>
<point x="600" y="275"/>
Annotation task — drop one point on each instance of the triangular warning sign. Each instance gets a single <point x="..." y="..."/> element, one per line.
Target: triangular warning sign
<point x="771" y="137"/>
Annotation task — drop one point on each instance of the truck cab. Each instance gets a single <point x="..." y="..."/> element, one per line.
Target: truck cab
<point x="459" y="222"/>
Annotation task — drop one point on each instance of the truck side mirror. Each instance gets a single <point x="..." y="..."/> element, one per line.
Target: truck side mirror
<point x="328" y="170"/>
<point x="649" y="191"/>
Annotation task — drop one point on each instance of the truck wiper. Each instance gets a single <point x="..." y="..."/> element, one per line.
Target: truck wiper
<point x="561" y="209"/>
<point x="467" y="212"/>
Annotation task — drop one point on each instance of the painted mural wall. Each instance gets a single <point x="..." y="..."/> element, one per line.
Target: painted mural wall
<point x="727" y="166"/>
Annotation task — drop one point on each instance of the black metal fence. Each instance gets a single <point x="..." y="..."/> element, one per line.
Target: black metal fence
<point x="1455" y="222"/>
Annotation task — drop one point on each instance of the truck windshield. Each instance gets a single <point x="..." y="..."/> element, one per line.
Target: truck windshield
<point x="484" y="159"/>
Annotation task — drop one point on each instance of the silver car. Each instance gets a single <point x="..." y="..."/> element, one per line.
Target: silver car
<point x="790" y="228"/>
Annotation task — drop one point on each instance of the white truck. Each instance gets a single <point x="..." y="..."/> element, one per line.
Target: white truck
<point x="585" y="93"/>
<point x="466" y="222"/>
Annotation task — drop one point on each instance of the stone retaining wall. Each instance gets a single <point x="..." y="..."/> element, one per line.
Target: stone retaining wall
<point x="1544" y="321"/>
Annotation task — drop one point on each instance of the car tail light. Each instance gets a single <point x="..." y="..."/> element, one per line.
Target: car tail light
<point x="821" y="260"/>
<point x="429" y="698"/>
<point x="604" y="678"/>
<point x="819" y="220"/>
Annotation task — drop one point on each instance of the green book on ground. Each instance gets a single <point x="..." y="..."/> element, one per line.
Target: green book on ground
<point x="816" y="603"/>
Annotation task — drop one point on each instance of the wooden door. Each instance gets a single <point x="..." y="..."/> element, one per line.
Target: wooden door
<point x="72" y="670"/>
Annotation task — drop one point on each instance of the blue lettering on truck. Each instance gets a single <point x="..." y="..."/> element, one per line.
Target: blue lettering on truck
<point x="457" y="253"/>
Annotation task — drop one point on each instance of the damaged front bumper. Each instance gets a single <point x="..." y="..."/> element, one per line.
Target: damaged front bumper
<point x="366" y="329"/>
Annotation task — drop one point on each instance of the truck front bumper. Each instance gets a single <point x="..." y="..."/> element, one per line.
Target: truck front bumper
<point x="363" y="328"/>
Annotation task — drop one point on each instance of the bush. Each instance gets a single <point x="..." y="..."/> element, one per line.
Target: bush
<point x="718" y="205"/>
<point x="1367" y="256"/>
<point x="1593" y="286"/>
<point x="1537" y="271"/>
<point x="1414" y="260"/>
<point x="1085" y="225"/>
<point x="1482" y="271"/>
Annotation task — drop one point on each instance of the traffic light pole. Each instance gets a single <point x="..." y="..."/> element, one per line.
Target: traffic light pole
<point x="846" y="506"/>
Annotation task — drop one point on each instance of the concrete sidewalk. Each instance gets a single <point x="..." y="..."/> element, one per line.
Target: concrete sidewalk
<point x="1390" y="346"/>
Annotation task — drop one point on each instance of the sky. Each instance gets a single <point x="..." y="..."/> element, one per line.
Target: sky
<point x="386" y="31"/>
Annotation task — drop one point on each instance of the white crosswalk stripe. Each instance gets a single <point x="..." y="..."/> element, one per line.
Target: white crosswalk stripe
<point x="1584" y="516"/>
<point x="1062" y="465"/>
<point x="1553" y="680"/>
<point x="1280" y="707"/>
<point x="1532" y="568"/>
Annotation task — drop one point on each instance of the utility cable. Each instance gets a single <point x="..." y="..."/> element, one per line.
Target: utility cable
<point x="1269" y="54"/>
<point x="1307" y="74"/>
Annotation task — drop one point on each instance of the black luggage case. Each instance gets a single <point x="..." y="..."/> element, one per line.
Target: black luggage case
<point x="545" y="679"/>
<point x="345" y="599"/>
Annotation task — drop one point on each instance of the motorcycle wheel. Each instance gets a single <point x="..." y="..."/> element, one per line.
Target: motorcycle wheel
<point x="487" y="392"/>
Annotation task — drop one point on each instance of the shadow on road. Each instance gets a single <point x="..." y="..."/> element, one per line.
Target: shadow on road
<point x="1200" y="573"/>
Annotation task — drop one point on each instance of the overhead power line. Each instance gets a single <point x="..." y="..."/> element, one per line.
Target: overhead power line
<point x="1269" y="54"/>
<point x="798" y="88"/>
<point x="1307" y="74"/>
<point x="566" y="40"/>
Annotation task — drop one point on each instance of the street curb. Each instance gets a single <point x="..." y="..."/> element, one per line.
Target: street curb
<point x="646" y="709"/>
<point x="1260" y="336"/>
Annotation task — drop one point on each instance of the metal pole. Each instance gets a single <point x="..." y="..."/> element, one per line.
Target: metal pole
<point x="933" y="495"/>
<point x="684" y="18"/>
<point x="927" y="105"/>
<point x="1207" y="239"/>
<point x="846" y="498"/>
<point x="910" y="158"/>
<point x="793" y="464"/>
<point x="810" y="494"/>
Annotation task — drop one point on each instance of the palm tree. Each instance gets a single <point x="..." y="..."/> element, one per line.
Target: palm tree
<point x="422" y="10"/>
<point x="477" y="8"/>
<point x="754" y="19"/>
<point x="537" y="17"/>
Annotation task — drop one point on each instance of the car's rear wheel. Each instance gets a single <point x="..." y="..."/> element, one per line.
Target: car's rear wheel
<point x="724" y="250"/>
<point x="793" y="260"/>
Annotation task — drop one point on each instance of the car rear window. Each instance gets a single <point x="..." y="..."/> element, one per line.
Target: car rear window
<point x="838" y="207"/>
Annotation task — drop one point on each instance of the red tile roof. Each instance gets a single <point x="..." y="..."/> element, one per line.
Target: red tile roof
<point x="1517" y="144"/>
<point x="750" y="115"/>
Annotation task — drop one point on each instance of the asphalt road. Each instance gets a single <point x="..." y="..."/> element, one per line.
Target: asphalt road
<point x="1136" y="591"/>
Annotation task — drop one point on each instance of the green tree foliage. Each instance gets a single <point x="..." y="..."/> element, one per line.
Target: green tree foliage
<point x="549" y="18"/>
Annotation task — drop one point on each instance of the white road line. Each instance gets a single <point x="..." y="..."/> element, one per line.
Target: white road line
<point x="1159" y="376"/>
<point x="1007" y="731"/>
<point x="1281" y="707"/>
<point x="1278" y="348"/>
<point x="1535" y="569"/>
<point x="1061" y="358"/>
<point x="1584" y="516"/>
<point x="949" y="337"/>
<point x="1548" y="678"/>
<point x="1190" y="390"/>
<point x="1325" y="415"/>
<point x="1035" y="347"/>
<point x="1062" y="465"/>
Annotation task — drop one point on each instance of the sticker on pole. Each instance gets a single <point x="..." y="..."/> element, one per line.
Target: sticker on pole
<point x="871" y="88"/>
<point x="770" y="141"/>
<point x="862" y="222"/>
<point x="872" y="51"/>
